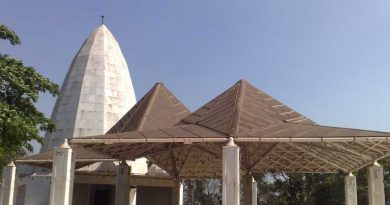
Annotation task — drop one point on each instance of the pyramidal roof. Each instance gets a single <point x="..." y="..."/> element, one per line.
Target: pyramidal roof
<point x="243" y="108"/>
<point x="96" y="92"/>
<point x="159" y="108"/>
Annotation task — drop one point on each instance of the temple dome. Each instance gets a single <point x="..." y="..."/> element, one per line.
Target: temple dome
<point x="96" y="92"/>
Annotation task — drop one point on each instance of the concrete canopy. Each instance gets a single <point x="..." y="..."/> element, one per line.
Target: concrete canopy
<point x="271" y="136"/>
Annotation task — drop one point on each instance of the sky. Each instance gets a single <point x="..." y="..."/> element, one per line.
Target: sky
<point x="327" y="59"/>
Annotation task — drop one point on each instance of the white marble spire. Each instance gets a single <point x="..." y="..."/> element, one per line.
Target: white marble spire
<point x="96" y="92"/>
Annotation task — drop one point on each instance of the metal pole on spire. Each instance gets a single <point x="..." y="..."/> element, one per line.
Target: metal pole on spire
<point x="102" y="17"/>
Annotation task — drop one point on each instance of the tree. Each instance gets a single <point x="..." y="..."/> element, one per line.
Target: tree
<point x="20" y="86"/>
<point x="314" y="189"/>
<point x="202" y="192"/>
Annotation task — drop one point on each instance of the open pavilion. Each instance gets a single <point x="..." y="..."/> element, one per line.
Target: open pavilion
<point x="238" y="133"/>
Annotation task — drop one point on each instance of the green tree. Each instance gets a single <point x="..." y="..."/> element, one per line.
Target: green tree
<point x="20" y="86"/>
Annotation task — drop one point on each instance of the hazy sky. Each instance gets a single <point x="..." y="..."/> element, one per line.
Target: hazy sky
<point x="328" y="59"/>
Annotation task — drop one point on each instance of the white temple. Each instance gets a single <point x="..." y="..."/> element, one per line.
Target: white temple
<point x="240" y="132"/>
<point x="95" y="94"/>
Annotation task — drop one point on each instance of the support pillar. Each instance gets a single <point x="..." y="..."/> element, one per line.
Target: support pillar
<point x="350" y="189"/>
<point x="231" y="174"/>
<point x="122" y="185"/>
<point x="376" y="190"/>
<point x="177" y="193"/>
<point x="8" y="184"/>
<point x="133" y="196"/>
<point x="250" y="190"/>
<point x="61" y="191"/>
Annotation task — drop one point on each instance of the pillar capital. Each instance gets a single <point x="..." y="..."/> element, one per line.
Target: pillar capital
<point x="65" y="144"/>
<point x="231" y="142"/>
<point x="123" y="163"/>
<point x="11" y="164"/>
<point x="375" y="163"/>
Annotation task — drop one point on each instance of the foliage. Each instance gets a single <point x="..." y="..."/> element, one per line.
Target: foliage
<point x="20" y="120"/>
<point x="202" y="192"/>
<point x="291" y="189"/>
<point x="8" y="34"/>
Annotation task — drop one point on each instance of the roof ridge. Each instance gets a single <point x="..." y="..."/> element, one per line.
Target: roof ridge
<point x="236" y="109"/>
<point x="155" y="90"/>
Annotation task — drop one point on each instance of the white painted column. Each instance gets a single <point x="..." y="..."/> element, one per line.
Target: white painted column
<point x="177" y="193"/>
<point x="231" y="174"/>
<point x="61" y="192"/>
<point x="8" y="184"/>
<point x="350" y="189"/>
<point x="376" y="190"/>
<point x="122" y="185"/>
<point x="250" y="190"/>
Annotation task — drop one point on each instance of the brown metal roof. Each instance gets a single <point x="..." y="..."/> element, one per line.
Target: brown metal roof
<point x="243" y="108"/>
<point x="271" y="136"/>
<point x="159" y="108"/>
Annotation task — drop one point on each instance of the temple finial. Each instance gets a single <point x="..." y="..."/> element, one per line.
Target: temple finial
<point x="102" y="17"/>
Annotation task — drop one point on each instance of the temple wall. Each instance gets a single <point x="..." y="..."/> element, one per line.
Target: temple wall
<point x="37" y="191"/>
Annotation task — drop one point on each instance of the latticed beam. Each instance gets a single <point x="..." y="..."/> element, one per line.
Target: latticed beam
<point x="263" y="156"/>
<point x="320" y="158"/>
<point x="307" y="161"/>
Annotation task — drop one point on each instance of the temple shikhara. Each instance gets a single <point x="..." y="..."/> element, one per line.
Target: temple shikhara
<point x="109" y="148"/>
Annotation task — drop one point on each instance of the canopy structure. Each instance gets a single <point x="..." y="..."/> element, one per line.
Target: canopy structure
<point x="159" y="108"/>
<point x="45" y="159"/>
<point x="271" y="137"/>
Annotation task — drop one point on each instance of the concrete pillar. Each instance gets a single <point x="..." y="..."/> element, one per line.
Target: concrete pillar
<point x="376" y="190"/>
<point x="61" y="191"/>
<point x="122" y="185"/>
<point x="8" y="184"/>
<point x="250" y="190"/>
<point x="350" y="189"/>
<point x="230" y="174"/>
<point x="177" y="193"/>
<point x="133" y="196"/>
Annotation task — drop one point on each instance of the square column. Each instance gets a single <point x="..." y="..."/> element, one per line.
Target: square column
<point x="350" y="189"/>
<point x="231" y="174"/>
<point x="122" y="185"/>
<point x="250" y="190"/>
<point x="61" y="191"/>
<point x="177" y="193"/>
<point x="376" y="190"/>
<point x="8" y="184"/>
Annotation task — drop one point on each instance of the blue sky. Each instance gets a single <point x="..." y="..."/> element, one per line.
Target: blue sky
<point x="328" y="59"/>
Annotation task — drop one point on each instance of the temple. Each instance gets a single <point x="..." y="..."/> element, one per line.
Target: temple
<point x="110" y="149"/>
